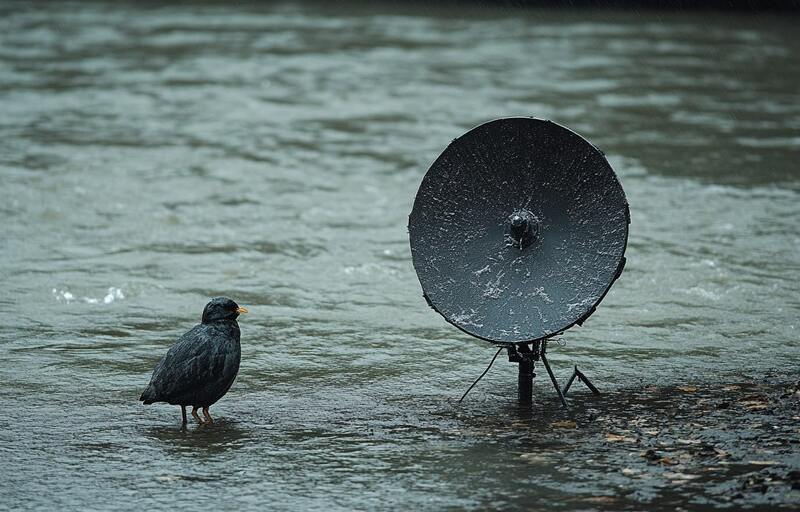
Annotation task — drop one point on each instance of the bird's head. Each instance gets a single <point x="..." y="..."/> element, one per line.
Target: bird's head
<point x="221" y="308"/>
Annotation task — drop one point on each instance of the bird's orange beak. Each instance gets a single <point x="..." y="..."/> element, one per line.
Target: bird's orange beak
<point x="241" y="310"/>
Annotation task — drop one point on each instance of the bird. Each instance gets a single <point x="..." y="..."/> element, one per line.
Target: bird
<point x="201" y="366"/>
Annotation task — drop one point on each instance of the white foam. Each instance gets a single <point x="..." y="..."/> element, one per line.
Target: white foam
<point x="63" y="295"/>
<point x="112" y="295"/>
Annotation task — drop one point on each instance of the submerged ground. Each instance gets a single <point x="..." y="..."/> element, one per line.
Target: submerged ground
<point x="154" y="157"/>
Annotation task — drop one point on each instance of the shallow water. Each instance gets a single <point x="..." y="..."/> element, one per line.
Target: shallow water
<point x="154" y="157"/>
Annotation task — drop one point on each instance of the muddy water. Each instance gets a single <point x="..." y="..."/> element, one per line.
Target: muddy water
<point x="154" y="157"/>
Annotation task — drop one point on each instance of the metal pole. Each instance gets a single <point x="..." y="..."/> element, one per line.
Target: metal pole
<point x="570" y="381"/>
<point x="550" y="373"/>
<point x="525" y="378"/>
<point x="585" y="380"/>
<point x="577" y="374"/>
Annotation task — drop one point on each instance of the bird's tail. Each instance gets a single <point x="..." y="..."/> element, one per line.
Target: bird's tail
<point x="149" y="395"/>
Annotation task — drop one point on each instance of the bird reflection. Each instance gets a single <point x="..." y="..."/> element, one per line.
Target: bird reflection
<point x="219" y="437"/>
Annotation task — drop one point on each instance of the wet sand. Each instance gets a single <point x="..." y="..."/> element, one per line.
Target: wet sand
<point x="688" y="447"/>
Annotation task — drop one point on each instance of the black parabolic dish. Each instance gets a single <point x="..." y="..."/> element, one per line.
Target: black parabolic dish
<point x="518" y="230"/>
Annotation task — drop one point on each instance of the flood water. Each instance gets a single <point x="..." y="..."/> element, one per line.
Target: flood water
<point x="154" y="157"/>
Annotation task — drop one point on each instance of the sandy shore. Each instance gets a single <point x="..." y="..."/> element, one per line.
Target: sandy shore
<point x="689" y="447"/>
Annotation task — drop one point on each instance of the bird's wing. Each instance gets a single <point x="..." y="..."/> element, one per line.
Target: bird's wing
<point x="195" y="360"/>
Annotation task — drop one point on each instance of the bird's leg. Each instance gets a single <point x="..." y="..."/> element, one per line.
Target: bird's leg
<point x="208" y="416"/>
<point x="183" y="416"/>
<point x="196" y="416"/>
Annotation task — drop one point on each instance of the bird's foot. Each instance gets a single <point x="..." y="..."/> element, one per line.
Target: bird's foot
<point x="196" y="416"/>
<point x="209" y="419"/>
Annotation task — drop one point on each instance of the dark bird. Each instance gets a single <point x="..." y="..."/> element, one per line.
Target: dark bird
<point x="199" y="369"/>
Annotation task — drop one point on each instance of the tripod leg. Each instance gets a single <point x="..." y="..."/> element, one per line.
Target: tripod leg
<point x="585" y="380"/>
<point x="553" y="379"/>
<point x="570" y="381"/>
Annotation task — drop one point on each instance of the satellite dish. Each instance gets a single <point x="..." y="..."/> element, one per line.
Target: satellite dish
<point x="518" y="230"/>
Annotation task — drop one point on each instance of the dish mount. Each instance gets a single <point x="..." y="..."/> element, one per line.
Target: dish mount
<point x="518" y="231"/>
